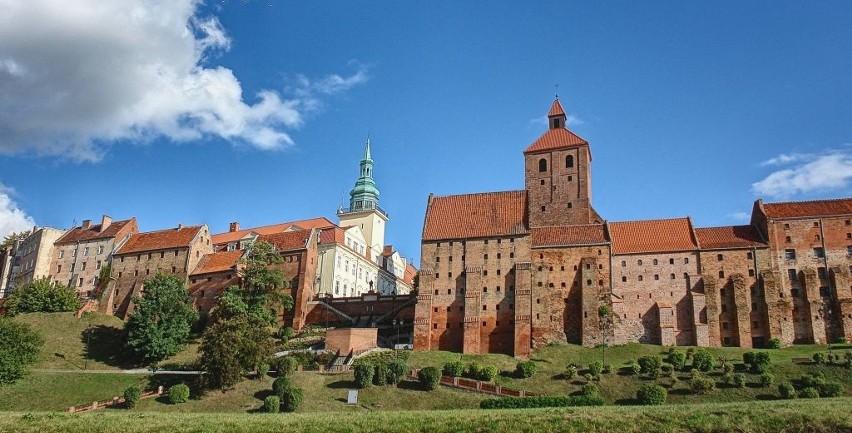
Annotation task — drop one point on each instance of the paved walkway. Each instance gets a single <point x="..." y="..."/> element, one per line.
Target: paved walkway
<point x="144" y="371"/>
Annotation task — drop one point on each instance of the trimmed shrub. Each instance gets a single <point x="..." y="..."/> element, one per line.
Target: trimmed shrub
<point x="540" y="401"/>
<point x="570" y="372"/>
<point x="766" y="380"/>
<point x="677" y="360"/>
<point x="700" y="384"/>
<point x="650" y="364"/>
<point x="429" y="378"/>
<point x="473" y="370"/>
<point x="590" y="390"/>
<point x="272" y="404"/>
<point x="488" y="373"/>
<point x="397" y="371"/>
<point x="819" y="358"/>
<point x="786" y="390"/>
<point x="178" y="394"/>
<point x="280" y="385"/>
<point x="702" y="360"/>
<point x="831" y="389"/>
<point x="739" y="380"/>
<point x="774" y="343"/>
<point x="286" y="366"/>
<point x="596" y="368"/>
<point x="364" y="374"/>
<point x="634" y="367"/>
<point x="291" y="398"/>
<point x="607" y="369"/>
<point x="285" y="334"/>
<point x="132" y="395"/>
<point x="757" y="362"/>
<point x="380" y="375"/>
<point x="727" y="368"/>
<point x="809" y="392"/>
<point x="262" y="370"/>
<point x="525" y="369"/>
<point x="813" y="380"/>
<point x="454" y="369"/>
<point x="652" y="394"/>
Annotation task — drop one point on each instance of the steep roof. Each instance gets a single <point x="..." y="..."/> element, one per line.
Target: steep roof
<point x="306" y="224"/>
<point x="332" y="235"/>
<point x="651" y="236"/>
<point x="475" y="215"/>
<point x="728" y="237"/>
<point x="556" y="109"/>
<point x="803" y="209"/>
<point x="160" y="240"/>
<point x="410" y="273"/>
<point x="587" y="234"/>
<point x="218" y="262"/>
<point x="557" y="138"/>
<point x="288" y="241"/>
<point x="93" y="232"/>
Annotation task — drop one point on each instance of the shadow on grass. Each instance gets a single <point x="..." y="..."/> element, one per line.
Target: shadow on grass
<point x="263" y="393"/>
<point x="410" y="385"/>
<point x="106" y="345"/>
<point x="627" y="402"/>
<point x="342" y="384"/>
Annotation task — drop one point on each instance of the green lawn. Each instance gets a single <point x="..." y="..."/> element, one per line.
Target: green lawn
<point x="58" y="391"/>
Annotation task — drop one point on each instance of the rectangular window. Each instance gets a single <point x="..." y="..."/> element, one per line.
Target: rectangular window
<point x="790" y="254"/>
<point x="98" y="265"/>
<point x="61" y="253"/>
<point x="819" y="253"/>
<point x="100" y="249"/>
<point x="792" y="275"/>
<point x="86" y="251"/>
<point x="83" y="268"/>
<point x="821" y="272"/>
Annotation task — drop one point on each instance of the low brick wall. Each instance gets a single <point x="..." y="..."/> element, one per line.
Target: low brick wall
<point x="115" y="401"/>
<point x="478" y="386"/>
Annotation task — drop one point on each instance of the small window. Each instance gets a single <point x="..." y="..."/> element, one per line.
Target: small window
<point x="569" y="161"/>
<point x="543" y="208"/>
<point x="720" y="257"/>
<point x="821" y="272"/>
<point x="656" y="277"/>
<point x="685" y="260"/>
<point x="788" y="239"/>
<point x="639" y="262"/>
<point x="816" y="224"/>
<point x="542" y="165"/>
<point x="672" y="276"/>
<point x="751" y="272"/>
<point x="790" y="254"/>
<point x="786" y="226"/>
<point x="849" y="250"/>
<point x="671" y="261"/>
<point x="570" y="205"/>
<point x="792" y="274"/>
<point x="623" y="279"/>
<point x="824" y="291"/>
<point x="721" y="274"/>
<point x="819" y="253"/>
<point x="623" y="263"/>
<point x="655" y="262"/>
<point x="641" y="278"/>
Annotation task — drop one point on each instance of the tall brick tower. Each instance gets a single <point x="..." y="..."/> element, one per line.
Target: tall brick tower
<point x="558" y="175"/>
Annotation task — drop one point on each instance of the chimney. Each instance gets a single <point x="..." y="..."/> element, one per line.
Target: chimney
<point x="180" y="226"/>
<point x="106" y="221"/>
<point x="87" y="224"/>
<point x="235" y="227"/>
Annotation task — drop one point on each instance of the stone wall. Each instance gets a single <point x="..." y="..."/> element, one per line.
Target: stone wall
<point x="559" y="195"/>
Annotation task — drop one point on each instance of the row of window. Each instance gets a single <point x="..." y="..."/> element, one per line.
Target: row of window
<point x="484" y="241"/>
<point x="818" y="253"/>
<point x="484" y="308"/>
<point x="151" y="255"/>
<point x="148" y="272"/>
<point x="816" y="224"/>
<point x="82" y="266"/>
<point x="484" y="257"/>
<point x="484" y="324"/>
<point x="542" y="163"/>
<point x="85" y="251"/>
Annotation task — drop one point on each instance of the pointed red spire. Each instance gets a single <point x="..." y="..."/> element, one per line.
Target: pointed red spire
<point x="556" y="109"/>
<point x="556" y="118"/>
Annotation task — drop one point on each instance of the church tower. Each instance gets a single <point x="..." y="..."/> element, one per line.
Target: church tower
<point x="558" y="175"/>
<point x="364" y="210"/>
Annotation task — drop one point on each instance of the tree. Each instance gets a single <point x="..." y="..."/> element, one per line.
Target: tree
<point x="42" y="295"/>
<point x="19" y="346"/>
<point x="160" y="324"/>
<point x="12" y="237"/>
<point x="230" y="347"/>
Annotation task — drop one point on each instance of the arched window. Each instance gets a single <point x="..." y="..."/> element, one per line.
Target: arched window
<point x="542" y="164"/>
<point x="569" y="161"/>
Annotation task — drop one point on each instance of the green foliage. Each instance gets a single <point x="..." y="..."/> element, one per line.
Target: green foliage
<point x="291" y="398"/>
<point x="453" y="368"/>
<point x="42" y="296"/>
<point x="429" y="377"/>
<point x="727" y="368"/>
<point x="525" y="369"/>
<point x="651" y="394"/>
<point x="677" y="359"/>
<point x="272" y="404"/>
<point x="650" y="364"/>
<point x="774" y="343"/>
<point x="739" y="380"/>
<point x="570" y="372"/>
<point x="472" y="370"/>
<point x="766" y="380"/>
<point x="757" y="362"/>
<point x="590" y="390"/>
<point x="162" y="320"/>
<point x="634" y="368"/>
<point x="809" y="392"/>
<point x="831" y="389"/>
<point x="363" y="375"/>
<point x="280" y="384"/>
<point x="178" y="394"/>
<point x="380" y="375"/>
<point x="397" y="371"/>
<point x="813" y="380"/>
<point x="488" y="373"/>
<point x="701" y="384"/>
<point x="596" y="368"/>
<point x="262" y="370"/>
<point x="132" y="395"/>
<point x="540" y="401"/>
<point x="230" y="347"/>
<point x="286" y="365"/>
<point x="786" y="390"/>
<point x="607" y="369"/>
<point x="702" y="360"/>
<point x="19" y="347"/>
<point x="819" y="358"/>
<point x="285" y="334"/>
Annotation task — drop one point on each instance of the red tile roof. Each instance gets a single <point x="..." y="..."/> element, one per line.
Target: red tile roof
<point x="816" y="208"/>
<point x="216" y="285"/>
<point x="651" y="236"/>
<point x="728" y="237"/>
<point x="555" y="139"/>
<point x="160" y="240"/>
<point x="307" y="224"/>
<point x="79" y="234"/>
<point x="218" y="262"/>
<point x="288" y="241"/>
<point x="556" y="109"/>
<point x="410" y="273"/>
<point x="332" y="235"/>
<point x="475" y="215"/>
<point x="587" y="234"/>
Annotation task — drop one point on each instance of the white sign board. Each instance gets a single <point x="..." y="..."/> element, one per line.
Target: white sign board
<point x="353" y="397"/>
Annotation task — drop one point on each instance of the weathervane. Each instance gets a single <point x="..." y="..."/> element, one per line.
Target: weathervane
<point x="557" y="90"/>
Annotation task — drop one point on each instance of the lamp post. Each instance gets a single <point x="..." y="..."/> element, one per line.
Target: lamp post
<point x="88" y="345"/>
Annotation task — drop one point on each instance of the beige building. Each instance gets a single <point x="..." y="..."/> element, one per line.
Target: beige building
<point x="32" y="258"/>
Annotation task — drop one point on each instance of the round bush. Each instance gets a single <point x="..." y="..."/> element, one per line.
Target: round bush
<point x="766" y="380"/>
<point x="364" y="375"/>
<point x="488" y="373"/>
<point x="525" y="369"/>
<point x="262" y="370"/>
<point x="652" y="394"/>
<point x="634" y="367"/>
<point x="286" y="366"/>
<point x="380" y="375"/>
<point x="774" y="343"/>
<point x="677" y="360"/>
<point x="596" y="368"/>
<point x="590" y="390"/>
<point x="286" y="333"/>
<point x="398" y="370"/>
<point x="132" y="395"/>
<point x="280" y="385"/>
<point x="429" y="378"/>
<point x="292" y="398"/>
<point x="831" y="389"/>
<point x="809" y="392"/>
<point x="739" y="380"/>
<point x="702" y="360"/>
<point x="454" y="369"/>
<point x="727" y="368"/>
<point x="178" y="394"/>
<point x="700" y="384"/>
<point x="272" y="404"/>
<point x="607" y="368"/>
<point x="786" y="390"/>
<point x="819" y="358"/>
<point x="570" y="372"/>
<point x="650" y="364"/>
<point x="473" y="370"/>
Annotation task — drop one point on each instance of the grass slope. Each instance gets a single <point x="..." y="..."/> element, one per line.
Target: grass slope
<point x="58" y="391"/>
<point x="823" y="416"/>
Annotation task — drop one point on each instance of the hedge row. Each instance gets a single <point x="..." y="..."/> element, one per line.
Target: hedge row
<point x="541" y="401"/>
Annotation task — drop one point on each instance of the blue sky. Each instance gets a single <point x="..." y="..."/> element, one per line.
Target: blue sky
<point x="257" y="111"/>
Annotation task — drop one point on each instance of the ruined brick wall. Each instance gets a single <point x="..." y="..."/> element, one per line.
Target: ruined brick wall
<point x="130" y="270"/>
<point x="641" y="280"/>
<point x="841" y="317"/>
<point x="779" y="307"/>
<point x="559" y="195"/>
<point x="351" y="339"/>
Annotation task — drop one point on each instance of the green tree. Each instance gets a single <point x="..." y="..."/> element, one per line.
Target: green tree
<point x="702" y="360"/>
<point x="161" y="322"/>
<point x="42" y="295"/>
<point x="230" y="347"/>
<point x="14" y="236"/>
<point x="429" y="378"/>
<point x="19" y="346"/>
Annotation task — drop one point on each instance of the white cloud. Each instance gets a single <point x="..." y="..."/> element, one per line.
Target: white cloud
<point x="76" y="76"/>
<point x="12" y="218"/>
<point x="572" y="121"/>
<point x="740" y="216"/>
<point x="806" y="173"/>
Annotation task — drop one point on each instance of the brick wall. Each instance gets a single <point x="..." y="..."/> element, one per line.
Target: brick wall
<point x="351" y="339"/>
<point x="559" y="195"/>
